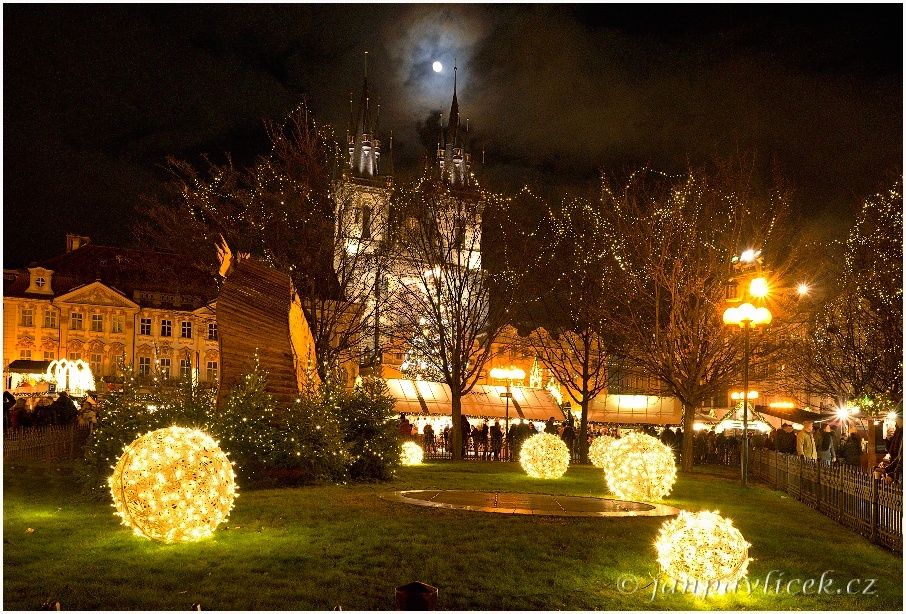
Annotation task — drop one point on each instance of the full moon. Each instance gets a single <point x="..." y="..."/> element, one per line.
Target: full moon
<point x="437" y="66"/>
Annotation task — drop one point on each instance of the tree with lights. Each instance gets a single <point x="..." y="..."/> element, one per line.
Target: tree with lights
<point x="441" y="292"/>
<point x="852" y="350"/>
<point x="287" y="209"/>
<point x="672" y="243"/>
<point x="564" y="303"/>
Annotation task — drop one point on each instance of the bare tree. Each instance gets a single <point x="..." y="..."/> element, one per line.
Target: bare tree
<point x="673" y="239"/>
<point x="441" y="293"/>
<point x="286" y="208"/>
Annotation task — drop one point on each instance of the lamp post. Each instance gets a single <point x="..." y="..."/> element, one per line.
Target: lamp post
<point x="508" y="374"/>
<point x="746" y="316"/>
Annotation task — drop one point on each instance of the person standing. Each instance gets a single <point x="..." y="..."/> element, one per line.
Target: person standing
<point x="466" y="428"/>
<point x="825" y="445"/>
<point x="852" y="450"/>
<point x="569" y="438"/>
<point x="805" y="442"/>
<point x="550" y="427"/>
<point x="496" y="439"/>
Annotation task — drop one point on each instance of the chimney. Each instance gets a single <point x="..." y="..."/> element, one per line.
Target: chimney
<point x="75" y="242"/>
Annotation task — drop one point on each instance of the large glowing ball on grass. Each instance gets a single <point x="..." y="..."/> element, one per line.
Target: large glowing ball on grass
<point x="597" y="451"/>
<point x="173" y="485"/>
<point x="639" y="467"/>
<point x="702" y="552"/>
<point x="544" y="456"/>
<point x="412" y="454"/>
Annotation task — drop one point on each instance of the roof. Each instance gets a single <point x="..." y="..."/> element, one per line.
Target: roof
<point x="28" y="366"/>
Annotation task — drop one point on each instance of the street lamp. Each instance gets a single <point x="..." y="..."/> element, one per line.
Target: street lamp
<point x="508" y="374"/>
<point x="746" y="316"/>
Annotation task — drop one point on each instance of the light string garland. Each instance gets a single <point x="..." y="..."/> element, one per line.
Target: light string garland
<point x="411" y="454"/>
<point x="638" y="467"/>
<point x="544" y="456"/>
<point x="702" y="552"/>
<point x="597" y="451"/>
<point x="174" y="484"/>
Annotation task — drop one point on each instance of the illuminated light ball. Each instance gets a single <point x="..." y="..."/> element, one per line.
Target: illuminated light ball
<point x="597" y="451"/>
<point x="173" y="485"/>
<point x="544" y="456"/>
<point x="702" y="552"/>
<point x="639" y="467"/>
<point x="412" y="454"/>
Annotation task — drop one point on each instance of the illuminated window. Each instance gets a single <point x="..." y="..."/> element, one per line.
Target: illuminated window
<point x="117" y="324"/>
<point x="164" y="368"/>
<point x="97" y="323"/>
<point x="144" y="365"/>
<point x="166" y="328"/>
<point x="73" y="356"/>
<point x="50" y="318"/>
<point x="212" y="330"/>
<point x="185" y="368"/>
<point x="27" y="317"/>
<point x="212" y="371"/>
<point x="25" y="354"/>
<point x="75" y="321"/>
<point x="50" y="355"/>
<point x="95" y="364"/>
<point x="144" y="326"/>
<point x="186" y="330"/>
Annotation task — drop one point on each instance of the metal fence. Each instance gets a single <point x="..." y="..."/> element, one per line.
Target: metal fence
<point x="852" y="496"/>
<point x="46" y="443"/>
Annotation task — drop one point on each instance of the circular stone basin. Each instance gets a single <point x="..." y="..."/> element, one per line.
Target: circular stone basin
<point x="526" y="503"/>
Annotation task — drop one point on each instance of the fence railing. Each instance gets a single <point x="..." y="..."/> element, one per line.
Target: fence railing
<point x="46" y="443"/>
<point x="852" y="496"/>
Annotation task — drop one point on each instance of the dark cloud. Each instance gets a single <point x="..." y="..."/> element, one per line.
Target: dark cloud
<point x="96" y="96"/>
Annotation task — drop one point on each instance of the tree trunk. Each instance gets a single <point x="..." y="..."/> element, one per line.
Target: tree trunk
<point x="688" y="437"/>
<point x="456" y="416"/>
<point x="583" y="432"/>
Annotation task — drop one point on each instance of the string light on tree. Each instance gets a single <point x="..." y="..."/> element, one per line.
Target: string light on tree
<point x="702" y="552"/>
<point x="411" y="454"/>
<point x="174" y="484"/>
<point x="597" y="452"/>
<point x="544" y="456"/>
<point x="638" y="467"/>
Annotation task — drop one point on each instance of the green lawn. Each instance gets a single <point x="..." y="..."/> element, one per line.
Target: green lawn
<point x="316" y="548"/>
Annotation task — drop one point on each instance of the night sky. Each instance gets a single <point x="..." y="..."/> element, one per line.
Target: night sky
<point x="96" y="96"/>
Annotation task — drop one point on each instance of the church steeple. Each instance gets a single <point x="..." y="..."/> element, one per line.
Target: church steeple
<point x="364" y="146"/>
<point x="455" y="163"/>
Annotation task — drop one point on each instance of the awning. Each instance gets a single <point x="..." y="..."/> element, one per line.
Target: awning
<point x="635" y="409"/>
<point x="28" y="366"/>
<point x="537" y="404"/>
<point x="789" y="414"/>
<point x="483" y="401"/>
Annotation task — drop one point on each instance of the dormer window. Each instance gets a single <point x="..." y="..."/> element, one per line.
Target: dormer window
<point x="40" y="282"/>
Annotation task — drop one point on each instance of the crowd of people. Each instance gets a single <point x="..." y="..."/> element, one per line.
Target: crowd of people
<point x="21" y="414"/>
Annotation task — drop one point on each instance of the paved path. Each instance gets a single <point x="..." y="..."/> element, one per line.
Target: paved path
<point x="526" y="503"/>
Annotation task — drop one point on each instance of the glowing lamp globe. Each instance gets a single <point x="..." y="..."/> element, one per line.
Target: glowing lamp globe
<point x="597" y="451"/>
<point x="173" y="485"/>
<point x="703" y="552"/>
<point x="544" y="456"/>
<point x="638" y="467"/>
<point x="411" y="454"/>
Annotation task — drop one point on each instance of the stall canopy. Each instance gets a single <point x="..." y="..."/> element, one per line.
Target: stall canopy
<point x="635" y="409"/>
<point x="483" y="401"/>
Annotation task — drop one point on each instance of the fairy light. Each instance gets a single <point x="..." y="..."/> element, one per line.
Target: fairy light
<point x="702" y="552"/>
<point x="638" y="467"/>
<point x="411" y="454"/>
<point x="597" y="451"/>
<point x="174" y="484"/>
<point x="544" y="456"/>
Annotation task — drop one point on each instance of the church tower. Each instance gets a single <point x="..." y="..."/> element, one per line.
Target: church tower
<point x="454" y="161"/>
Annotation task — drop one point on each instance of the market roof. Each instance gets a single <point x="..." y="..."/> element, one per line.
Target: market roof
<point x="483" y="401"/>
<point x="28" y="366"/>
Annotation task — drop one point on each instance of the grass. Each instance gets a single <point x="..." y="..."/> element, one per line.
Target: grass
<point x="316" y="548"/>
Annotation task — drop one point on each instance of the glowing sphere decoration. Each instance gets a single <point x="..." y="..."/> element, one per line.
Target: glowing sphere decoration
<point x="597" y="451"/>
<point x="702" y="552"/>
<point x="412" y="454"/>
<point x="639" y="467"/>
<point x="173" y="485"/>
<point x="544" y="456"/>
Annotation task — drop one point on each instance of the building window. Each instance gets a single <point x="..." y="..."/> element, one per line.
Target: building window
<point x="164" y="368"/>
<point x="117" y="324"/>
<point x="27" y="317"/>
<point x="366" y="222"/>
<point x="40" y="281"/>
<point x="25" y="354"/>
<point x="212" y="370"/>
<point x="144" y="365"/>
<point x="97" y="323"/>
<point x="212" y="331"/>
<point x="166" y="328"/>
<point x="75" y="321"/>
<point x="185" y="368"/>
<point x="50" y="355"/>
<point x="50" y="318"/>
<point x="144" y="326"/>
<point x="73" y="356"/>
<point x="186" y="330"/>
<point x="95" y="364"/>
